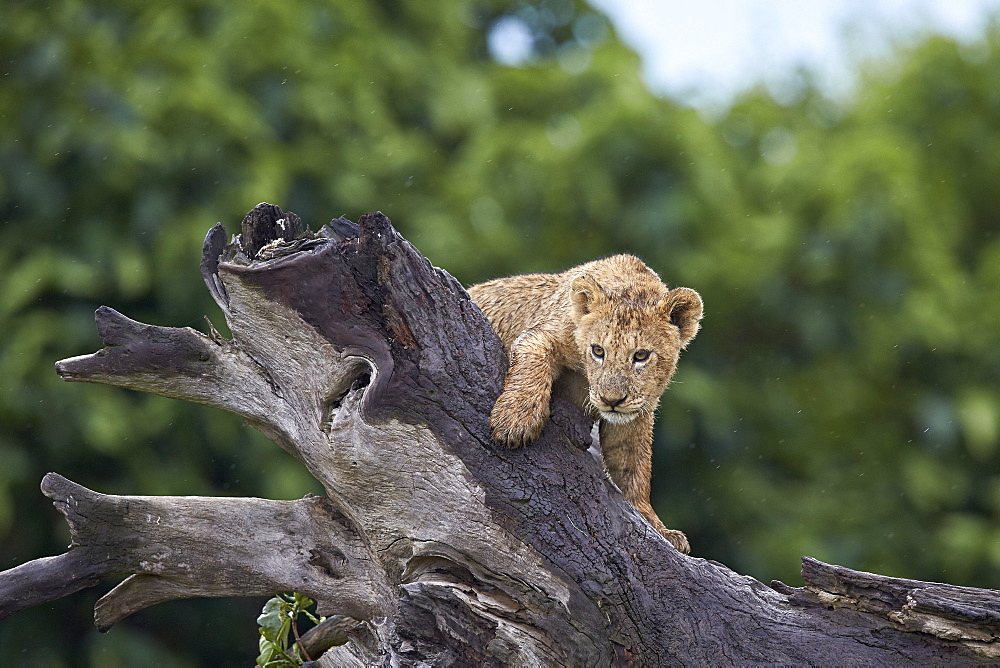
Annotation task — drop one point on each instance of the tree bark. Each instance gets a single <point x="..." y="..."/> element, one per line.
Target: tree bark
<point x="433" y="544"/>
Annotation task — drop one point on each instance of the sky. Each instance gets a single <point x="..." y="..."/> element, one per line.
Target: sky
<point x="704" y="52"/>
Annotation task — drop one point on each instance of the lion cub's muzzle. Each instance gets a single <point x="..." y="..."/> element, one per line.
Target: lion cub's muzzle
<point x="615" y="408"/>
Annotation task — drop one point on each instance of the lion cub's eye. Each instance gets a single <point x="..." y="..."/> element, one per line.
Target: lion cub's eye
<point x="597" y="351"/>
<point x="641" y="355"/>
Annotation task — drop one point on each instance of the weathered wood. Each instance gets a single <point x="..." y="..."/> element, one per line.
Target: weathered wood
<point x="434" y="544"/>
<point x="47" y="579"/>
<point x="965" y="614"/>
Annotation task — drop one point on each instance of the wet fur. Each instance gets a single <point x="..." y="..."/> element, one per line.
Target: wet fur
<point x="550" y="324"/>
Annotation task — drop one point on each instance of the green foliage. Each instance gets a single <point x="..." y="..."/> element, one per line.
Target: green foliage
<point x="841" y="400"/>
<point x="860" y="363"/>
<point x="278" y="623"/>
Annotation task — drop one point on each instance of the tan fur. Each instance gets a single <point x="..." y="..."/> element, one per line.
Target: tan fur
<point x="550" y="324"/>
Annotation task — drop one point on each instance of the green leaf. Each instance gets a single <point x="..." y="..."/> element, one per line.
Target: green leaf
<point x="274" y="621"/>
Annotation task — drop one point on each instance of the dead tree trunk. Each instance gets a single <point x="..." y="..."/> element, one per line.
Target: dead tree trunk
<point x="375" y="370"/>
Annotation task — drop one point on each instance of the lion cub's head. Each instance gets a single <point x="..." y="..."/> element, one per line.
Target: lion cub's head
<point x="630" y="340"/>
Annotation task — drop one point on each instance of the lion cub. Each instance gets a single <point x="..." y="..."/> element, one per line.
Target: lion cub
<point x="605" y="335"/>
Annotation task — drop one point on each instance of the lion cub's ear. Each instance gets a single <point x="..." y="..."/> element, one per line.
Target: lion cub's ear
<point x="587" y="295"/>
<point x="684" y="308"/>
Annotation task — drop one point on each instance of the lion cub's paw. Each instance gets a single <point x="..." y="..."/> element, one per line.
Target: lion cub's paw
<point x="677" y="539"/>
<point x="517" y="420"/>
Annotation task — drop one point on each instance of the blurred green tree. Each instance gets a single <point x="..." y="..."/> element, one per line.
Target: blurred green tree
<point x="841" y="401"/>
<point x="848" y="388"/>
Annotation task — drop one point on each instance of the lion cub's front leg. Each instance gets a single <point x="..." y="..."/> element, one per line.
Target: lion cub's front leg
<point x="522" y="409"/>
<point x="627" y="450"/>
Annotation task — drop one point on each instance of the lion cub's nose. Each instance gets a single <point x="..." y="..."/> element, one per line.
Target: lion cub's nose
<point x="611" y="403"/>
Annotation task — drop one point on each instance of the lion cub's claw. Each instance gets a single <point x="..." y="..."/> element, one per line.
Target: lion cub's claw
<point x="517" y="421"/>
<point x="677" y="539"/>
